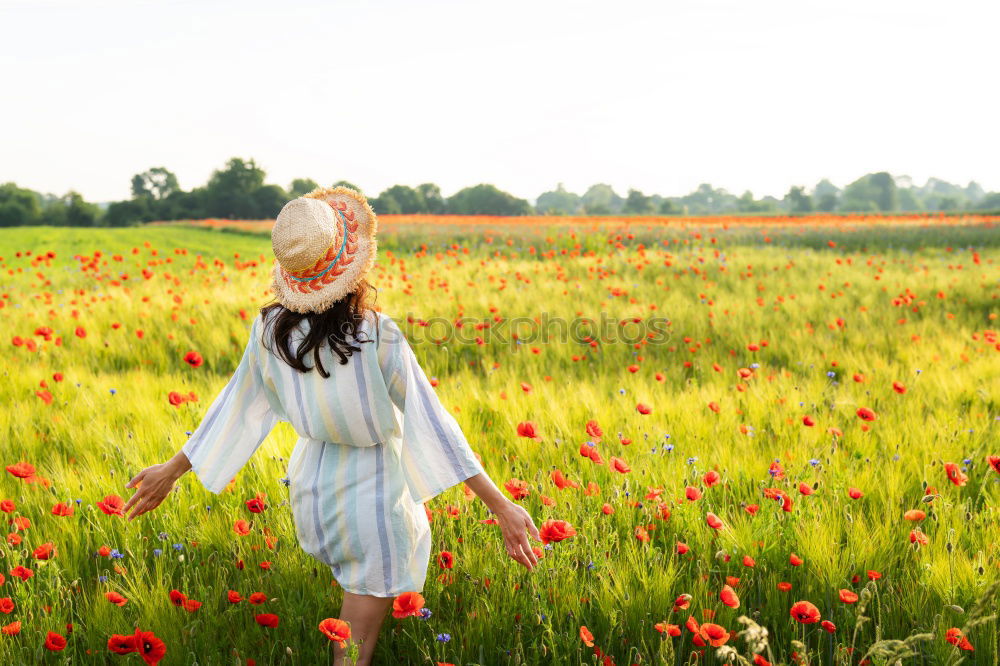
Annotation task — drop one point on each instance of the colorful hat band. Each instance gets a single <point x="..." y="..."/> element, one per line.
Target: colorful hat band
<point x="333" y="263"/>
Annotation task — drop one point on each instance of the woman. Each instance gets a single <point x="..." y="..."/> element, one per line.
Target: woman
<point x="374" y="443"/>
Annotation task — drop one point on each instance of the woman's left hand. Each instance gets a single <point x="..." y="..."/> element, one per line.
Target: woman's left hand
<point x="154" y="484"/>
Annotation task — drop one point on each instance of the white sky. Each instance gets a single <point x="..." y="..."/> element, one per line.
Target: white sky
<point x="658" y="95"/>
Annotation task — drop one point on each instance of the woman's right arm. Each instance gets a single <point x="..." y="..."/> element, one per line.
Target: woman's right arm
<point x="514" y="519"/>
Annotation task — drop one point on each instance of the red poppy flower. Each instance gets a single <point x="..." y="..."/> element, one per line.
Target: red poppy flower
<point x="45" y="551"/>
<point x="854" y="493"/>
<point x="594" y="430"/>
<point x="528" y="429"/>
<point x="55" y="642"/>
<point x="808" y="421"/>
<point x="714" y="634"/>
<point x="848" y="597"/>
<point x="794" y="560"/>
<point x="682" y="548"/>
<point x="257" y="504"/>
<point x="241" y="527"/>
<point x="994" y="462"/>
<point x="915" y="515"/>
<point x="7" y="506"/>
<point x="955" y="637"/>
<point x="267" y="620"/>
<point x="669" y="629"/>
<point x="115" y="598"/>
<point x="760" y="661"/>
<point x="193" y="359"/>
<point x="446" y="560"/>
<point x="619" y="465"/>
<point x="234" y="597"/>
<point x="805" y="612"/>
<point x="257" y="598"/>
<point x="336" y="630"/>
<point x="692" y="494"/>
<point x="555" y="531"/>
<point x="177" y="598"/>
<point x="62" y="509"/>
<point x="713" y="521"/>
<point x="714" y="406"/>
<point x="6" y="605"/>
<point x="866" y="414"/>
<point x="711" y="478"/>
<point x="406" y="604"/>
<point x="517" y="488"/>
<point x="21" y="470"/>
<point x="955" y="474"/>
<point x="784" y="586"/>
<point x="643" y="409"/>
<point x="22" y="572"/>
<point x="898" y="387"/>
<point x="112" y="505"/>
<point x="586" y="636"/>
<point x="828" y="626"/>
<point x="728" y="597"/>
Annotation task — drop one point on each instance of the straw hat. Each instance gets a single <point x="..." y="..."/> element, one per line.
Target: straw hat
<point x="325" y="244"/>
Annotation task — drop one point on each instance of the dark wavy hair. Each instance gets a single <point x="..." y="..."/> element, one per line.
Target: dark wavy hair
<point x="337" y="326"/>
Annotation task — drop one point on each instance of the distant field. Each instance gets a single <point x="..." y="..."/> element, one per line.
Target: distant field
<point x="818" y="423"/>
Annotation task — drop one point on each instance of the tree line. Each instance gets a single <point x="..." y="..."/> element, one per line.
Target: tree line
<point x="239" y="191"/>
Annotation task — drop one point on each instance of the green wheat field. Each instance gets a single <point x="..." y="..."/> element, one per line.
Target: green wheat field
<point x="765" y="417"/>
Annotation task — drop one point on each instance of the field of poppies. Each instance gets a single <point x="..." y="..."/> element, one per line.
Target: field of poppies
<point x="744" y="441"/>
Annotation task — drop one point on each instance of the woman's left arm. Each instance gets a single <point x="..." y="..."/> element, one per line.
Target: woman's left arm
<point x="232" y="430"/>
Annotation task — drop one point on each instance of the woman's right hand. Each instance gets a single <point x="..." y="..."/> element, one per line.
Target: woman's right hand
<point x="514" y="521"/>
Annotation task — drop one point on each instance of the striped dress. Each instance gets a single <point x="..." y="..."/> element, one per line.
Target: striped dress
<point x="374" y="444"/>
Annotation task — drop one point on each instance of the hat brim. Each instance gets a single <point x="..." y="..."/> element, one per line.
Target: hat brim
<point x="353" y="264"/>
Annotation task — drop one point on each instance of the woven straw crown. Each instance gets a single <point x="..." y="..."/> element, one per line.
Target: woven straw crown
<point x="324" y="243"/>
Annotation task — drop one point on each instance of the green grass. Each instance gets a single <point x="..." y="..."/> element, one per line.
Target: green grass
<point x="90" y="441"/>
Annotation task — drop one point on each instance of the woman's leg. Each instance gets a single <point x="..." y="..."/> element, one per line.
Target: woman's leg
<point x="364" y="613"/>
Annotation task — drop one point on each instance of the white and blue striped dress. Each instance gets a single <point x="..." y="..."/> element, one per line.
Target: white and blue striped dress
<point x="374" y="444"/>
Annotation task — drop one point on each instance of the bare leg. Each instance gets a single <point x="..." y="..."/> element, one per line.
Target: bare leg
<point x="364" y="613"/>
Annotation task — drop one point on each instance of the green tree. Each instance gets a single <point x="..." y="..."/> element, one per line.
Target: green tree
<point x="486" y="199"/>
<point x="130" y="211"/>
<point x="558" y="202"/>
<point x="601" y="199"/>
<point x="157" y="183"/>
<point x="268" y="201"/>
<point x="347" y="183"/>
<point x="637" y="203"/>
<point x="797" y="201"/>
<point x="670" y="207"/>
<point x="79" y="213"/>
<point x="407" y="199"/>
<point x="871" y="193"/>
<point x="19" y="206"/>
<point x="433" y="201"/>
<point x="301" y="187"/>
<point x="229" y="192"/>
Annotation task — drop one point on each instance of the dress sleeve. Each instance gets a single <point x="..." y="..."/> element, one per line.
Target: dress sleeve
<point x="434" y="452"/>
<point x="235" y="424"/>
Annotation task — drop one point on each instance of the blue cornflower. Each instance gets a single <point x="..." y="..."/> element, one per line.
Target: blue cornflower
<point x="187" y="432"/>
<point x="443" y="638"/>
<point x="162" y="536"/>
<point x="178" y="546"/>
<point x="103" y="579"/>
<point x="591" y="566"/>
<point x="79" y="501"/>
<point x="113" y="391"/>
<point x="668" y="447"/>
<point x="831" y="374"/>
<point x="621" y="391"/>
<point x="425" y="613"/>
<point x="116" y="555"/>
<point x="157" y="552"/>
<point x="285" y="481"/>
<point x="692" y="460"/>
<point x="754" y="366"/>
